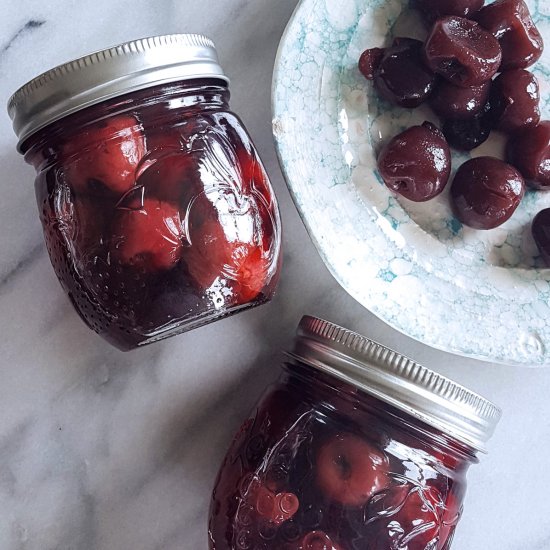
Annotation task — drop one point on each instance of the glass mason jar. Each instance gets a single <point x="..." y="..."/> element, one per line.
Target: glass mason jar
<point x="355" y="447"/>
<point x="157" y="212"/>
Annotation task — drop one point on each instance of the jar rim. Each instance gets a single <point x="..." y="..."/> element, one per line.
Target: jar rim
<point x="109" y="73"/>
<point x="397" y="380"/>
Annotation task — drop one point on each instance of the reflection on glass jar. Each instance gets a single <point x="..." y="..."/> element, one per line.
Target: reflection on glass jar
<point x="354" y="448"/>
<point x="157" y="212"/>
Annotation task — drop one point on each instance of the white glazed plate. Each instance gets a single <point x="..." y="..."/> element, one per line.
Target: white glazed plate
<point x="481" y="294"/>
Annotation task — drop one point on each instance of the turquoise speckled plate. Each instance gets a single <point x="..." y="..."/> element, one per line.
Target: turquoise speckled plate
<point x="474" y="293"/>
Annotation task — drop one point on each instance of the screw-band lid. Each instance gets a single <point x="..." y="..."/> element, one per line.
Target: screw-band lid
<point x="397" y="380"/>
<point x="109" y="73"/>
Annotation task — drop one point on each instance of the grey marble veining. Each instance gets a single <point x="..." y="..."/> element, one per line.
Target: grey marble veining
<point x="101" y="450"/>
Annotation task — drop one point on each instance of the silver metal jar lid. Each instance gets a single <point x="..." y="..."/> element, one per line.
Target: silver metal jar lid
<point x="109" y="73"/>
<point x="397" y="380"/>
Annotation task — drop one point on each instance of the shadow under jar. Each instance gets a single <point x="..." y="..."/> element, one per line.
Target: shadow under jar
<point x="355" y="447"/>
<point x="157" y="212"/>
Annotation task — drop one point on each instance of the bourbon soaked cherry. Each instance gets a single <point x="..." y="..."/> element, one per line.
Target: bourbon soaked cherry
<point x="232" y="247"/>
<point x="486" y="192"/>
<point x="105" y="156"/>
<point x="172" y="175"/>
<point x="316" y="540"/>
<point x="529" y="151"/>
<point x="400" y="75"/>
<point x="370" y="61"/>
<point x="466" y="134"/>
<point x="416" y="163"/>
<point x="455" y="102"/>
<point x="149" y="238"/>
<point x="349" y="470"/>
<point x="515" y="98"/>
<point x="462" y="52"/>
<point x="511" y="23"/>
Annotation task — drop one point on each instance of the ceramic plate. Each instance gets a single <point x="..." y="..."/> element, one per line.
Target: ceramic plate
<point x="481" y="294"/>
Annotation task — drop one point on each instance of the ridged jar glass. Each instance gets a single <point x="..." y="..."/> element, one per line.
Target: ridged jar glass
<point x="157" y="212"/>
<point x="354" y="448"/>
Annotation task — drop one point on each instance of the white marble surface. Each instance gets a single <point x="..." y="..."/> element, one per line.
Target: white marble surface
<point x="101" y="450"/>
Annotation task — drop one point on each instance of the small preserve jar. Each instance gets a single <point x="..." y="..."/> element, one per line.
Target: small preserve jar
<point x="157" y="212"/>
<point x="355" y="447"/>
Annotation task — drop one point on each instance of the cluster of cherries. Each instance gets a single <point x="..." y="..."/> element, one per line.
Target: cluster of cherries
<point x="150" y="224"/>
<point x="456" y="71"/>
<point x="300" y="478"/>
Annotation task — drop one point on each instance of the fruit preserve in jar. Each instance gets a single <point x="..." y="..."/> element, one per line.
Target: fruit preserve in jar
<point x="157" y="212"/>
<point x="355" y="447"/>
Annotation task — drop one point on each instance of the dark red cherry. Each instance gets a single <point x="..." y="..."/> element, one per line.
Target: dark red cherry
<point x="314" y="540"/>
<point x="173" y="176"/>
<point x="401" y="76"/>
<point x="370" y="61"/>
<point x="416" y="163"/>
<point x="468" y="133"/>
<point x="105" y="156"/>
<point x="434" y="9"/>
<point x="511" y="23"/>
<point x="515" y="98"/>
<point x="350" y="470"/>
<point x="171" y="298"/>
<point x="450" y="101"/>
<point x="486" y="192"/>
<point x="462" y="51"/>
<point x="541" y="234"/>
<point x="529" y="151"/>
<point x="149" y="237"/>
